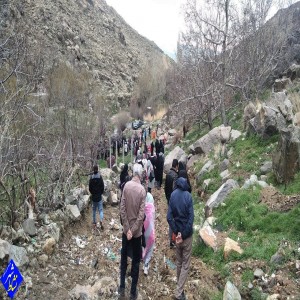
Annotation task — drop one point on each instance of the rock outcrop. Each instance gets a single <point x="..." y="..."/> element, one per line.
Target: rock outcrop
<point x="287" y="155"/>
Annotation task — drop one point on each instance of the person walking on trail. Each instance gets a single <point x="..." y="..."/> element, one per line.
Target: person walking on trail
<point x="160" y="169"/>
<point x="132" y="217"/>
<point x="157" y="146"/>
<point x="170" y="185"/>
<point x="150" y="175"/>
<point x="180" y="217"/>
<point x="182" y="172"/>
<point x="149" y="226"/>
<point x="96" y="188"/>
<point x="124" y="177"/>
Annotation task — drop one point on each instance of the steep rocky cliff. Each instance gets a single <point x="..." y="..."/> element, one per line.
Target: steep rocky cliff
<point x="86" y="34"/>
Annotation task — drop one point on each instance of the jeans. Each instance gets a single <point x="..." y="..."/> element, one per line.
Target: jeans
<point x="135" y="243"/>
<point x="98" y="205"/>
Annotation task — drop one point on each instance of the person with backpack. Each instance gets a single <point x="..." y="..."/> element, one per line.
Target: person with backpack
<point x="96" y="188"/>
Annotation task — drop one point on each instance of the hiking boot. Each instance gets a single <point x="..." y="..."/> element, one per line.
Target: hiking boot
<point x="182" y="297"/>
<point x="146" y="269"/>
<point x="121" y="292"/>
<point x="133" y="296"/>
<point x="101" y="226"/>
<point x="172" y="245"/>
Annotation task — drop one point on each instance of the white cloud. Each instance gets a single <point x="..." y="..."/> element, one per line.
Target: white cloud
<point x="157" y="20"/>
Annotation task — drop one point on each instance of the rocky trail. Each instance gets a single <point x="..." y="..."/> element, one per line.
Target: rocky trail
<point x="79" y="270"/>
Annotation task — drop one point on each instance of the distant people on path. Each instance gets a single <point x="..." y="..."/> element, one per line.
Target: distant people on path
<point x="96" y="188"/>
<point x="149" y="226"/>
<point x="125" y="148"/>
<point x="132" y="217"/>
<point x="182" y="172"/>
<point x="170" y="185"/>
<point x="180" y="217"/>
<point x="110" y="161"/>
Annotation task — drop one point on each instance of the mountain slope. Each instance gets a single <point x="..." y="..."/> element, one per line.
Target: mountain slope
<point x="86" y="34"/>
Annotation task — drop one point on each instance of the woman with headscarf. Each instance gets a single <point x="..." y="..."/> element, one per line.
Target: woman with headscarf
<point x="149" y="225"/>
<point x="182" y="172"/>
<point x="124" y="177"/>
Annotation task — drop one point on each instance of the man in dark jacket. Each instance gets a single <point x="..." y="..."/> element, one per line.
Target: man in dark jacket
<point x="180" y="218"/>
<point x="171" y="179"/>
<point x="96" y="188"/>
<point x="169" y="188"/>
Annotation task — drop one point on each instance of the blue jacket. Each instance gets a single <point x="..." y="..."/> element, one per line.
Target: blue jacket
<point x="181" y="211"/>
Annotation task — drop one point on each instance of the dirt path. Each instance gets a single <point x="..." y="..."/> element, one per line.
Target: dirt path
<point x="71" y="265"/>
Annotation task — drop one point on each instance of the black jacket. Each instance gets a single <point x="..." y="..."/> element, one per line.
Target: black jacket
<point x="96" y="187"/>
<point x="170" y="183"/>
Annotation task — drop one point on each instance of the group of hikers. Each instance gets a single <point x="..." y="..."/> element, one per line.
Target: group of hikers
<point x="137" y="215"/>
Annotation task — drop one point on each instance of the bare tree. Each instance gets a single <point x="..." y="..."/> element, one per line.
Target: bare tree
<point x="227" y="50"/>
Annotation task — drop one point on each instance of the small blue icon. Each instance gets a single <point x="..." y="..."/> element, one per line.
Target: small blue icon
<point x="11" y="279"/>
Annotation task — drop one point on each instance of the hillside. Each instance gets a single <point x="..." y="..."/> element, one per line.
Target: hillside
<point x="89" y="35"/>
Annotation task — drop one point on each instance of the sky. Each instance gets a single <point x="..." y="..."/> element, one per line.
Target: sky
<point x="158" y="20"/>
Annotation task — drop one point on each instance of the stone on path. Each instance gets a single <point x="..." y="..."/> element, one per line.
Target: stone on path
<point x="209" y="238"/>
<point x="230" y="246"/>
<point x="231" y="292"/>
<point x="29" y="227"/>
<point x="73" y="212"/>
<point x="49" y="246"/>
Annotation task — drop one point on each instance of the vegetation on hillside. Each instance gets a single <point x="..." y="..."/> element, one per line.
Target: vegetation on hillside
<point x="260" y="231"/>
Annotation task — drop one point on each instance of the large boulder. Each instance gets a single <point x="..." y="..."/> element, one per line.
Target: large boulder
<point x="73" y="212"/>
<point x="281" y="84"/>
<point x="267" y="122"/>
<point x="219" y="196"/>
<point x="207" y="143"/>
<point x="176" y="153"/>
<point x="192" y="160"/>
<point x="107" y="173"/>
<point x="286" y="158"/>
<point x="208" y="236"/>
<point x="281" y="102"/>
<point x="205" y="169"/>
<point x="17" y="254"/>
<point x="83" y="202"/>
